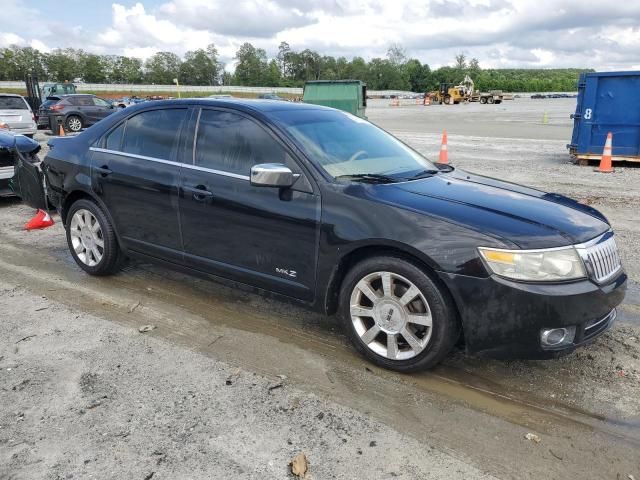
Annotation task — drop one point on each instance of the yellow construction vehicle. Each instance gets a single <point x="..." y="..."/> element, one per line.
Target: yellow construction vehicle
<point x="451" y="94"/>
<point x="447" y="94"/>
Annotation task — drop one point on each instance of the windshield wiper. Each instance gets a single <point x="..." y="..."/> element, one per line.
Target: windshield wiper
<point x="442" y="167"/>
<point x="369" y="177"/>
<point x="423" y="174"/>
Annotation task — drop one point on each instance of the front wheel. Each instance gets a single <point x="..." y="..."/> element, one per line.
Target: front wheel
<point x="92" y="240"/>
<point x="396" y="315"/>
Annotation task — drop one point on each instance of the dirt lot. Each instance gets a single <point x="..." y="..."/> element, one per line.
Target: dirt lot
<point x="231" y="384"/>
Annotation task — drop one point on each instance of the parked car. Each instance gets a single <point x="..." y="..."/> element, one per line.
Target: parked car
<point x="77" y="111"/>
<point x="125" y="102"/>
<point x="42" y="116"/>
<point x="270" y="96"/>
<point x="16" y="113"/>
<point x="317" y="205"/>
<point x="11" y="147"/>
<point x="538" y="96"/>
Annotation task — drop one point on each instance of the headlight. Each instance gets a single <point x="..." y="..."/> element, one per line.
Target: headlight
<point x="551" y="265"/>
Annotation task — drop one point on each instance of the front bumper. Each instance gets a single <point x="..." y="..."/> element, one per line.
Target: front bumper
<point x="503" y="318"/>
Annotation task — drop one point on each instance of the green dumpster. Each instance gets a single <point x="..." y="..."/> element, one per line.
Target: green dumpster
<point x="347" y="95"/>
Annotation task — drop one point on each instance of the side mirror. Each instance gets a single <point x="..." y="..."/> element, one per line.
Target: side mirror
<point x="272" y="175"/>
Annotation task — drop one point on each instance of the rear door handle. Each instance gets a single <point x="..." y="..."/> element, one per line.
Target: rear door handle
<point x="200" y="193"/>
<point x="103" y="170"/>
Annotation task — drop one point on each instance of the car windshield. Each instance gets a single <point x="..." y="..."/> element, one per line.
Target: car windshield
<point x="13" y="103"/>
<point x="346" y="146"/>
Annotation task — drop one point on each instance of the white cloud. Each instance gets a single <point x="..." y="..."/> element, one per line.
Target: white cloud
<point x="500" y="33"/>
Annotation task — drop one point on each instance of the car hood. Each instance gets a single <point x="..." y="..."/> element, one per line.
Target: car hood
<point x="523" y="216"/>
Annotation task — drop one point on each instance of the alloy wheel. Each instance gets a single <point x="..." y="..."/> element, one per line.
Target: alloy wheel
<point x="391" y="315"/>
<point x="74" y="124"/>
<point x="86" y="237"/>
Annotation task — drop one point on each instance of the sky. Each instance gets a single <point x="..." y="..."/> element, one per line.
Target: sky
<point x="604" y="35"/>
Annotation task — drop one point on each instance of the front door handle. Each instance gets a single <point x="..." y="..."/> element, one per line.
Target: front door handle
<point x="103" y="170"/>
<point x="200" y="193"/>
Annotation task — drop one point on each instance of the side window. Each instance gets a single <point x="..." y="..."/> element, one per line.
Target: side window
<point x="85" y="101"/>
<point x="100" y="102"/>
<point x="114" y="138"/>
<point x="232" y="143"/>
<point x="154" y="133"/>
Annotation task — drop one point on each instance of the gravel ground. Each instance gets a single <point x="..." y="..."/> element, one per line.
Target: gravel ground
<point x="85" y="398"/>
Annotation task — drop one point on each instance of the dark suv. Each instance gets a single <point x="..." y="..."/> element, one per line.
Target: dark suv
<point x="323" y="207"/>
<point x="77" y="111"/>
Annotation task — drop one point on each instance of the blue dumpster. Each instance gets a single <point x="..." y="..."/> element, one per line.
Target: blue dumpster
<point x="607" y="102"/>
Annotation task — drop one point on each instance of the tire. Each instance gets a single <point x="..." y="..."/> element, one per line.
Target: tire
<point x="105" y="259"/>
<point x="490" y="100"/>
<point x="483" y="100"/>
<point x="73" y="123"/>
<point x="425" y="304"/>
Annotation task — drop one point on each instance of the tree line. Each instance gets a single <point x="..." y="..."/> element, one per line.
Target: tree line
<point x="289" y="68"/>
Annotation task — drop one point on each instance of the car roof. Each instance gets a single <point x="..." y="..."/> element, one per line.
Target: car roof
<point x="10" y="95"/>
<point x="256" y="105"/>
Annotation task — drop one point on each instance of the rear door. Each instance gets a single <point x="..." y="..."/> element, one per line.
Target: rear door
<point x="136" y="171"/>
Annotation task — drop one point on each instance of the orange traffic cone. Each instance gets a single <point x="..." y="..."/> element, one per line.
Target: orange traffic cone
<point x="605" y="160"/>
<point x="61" y="131"/>
<point x="444" y="152"/>
<point x="427" y="100"/>
<point x="41" y="220"/>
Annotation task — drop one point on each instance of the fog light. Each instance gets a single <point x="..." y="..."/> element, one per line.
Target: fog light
<point x="557" y="337"/>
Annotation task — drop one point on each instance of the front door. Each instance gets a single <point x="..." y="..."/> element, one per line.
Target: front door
<point x="262" y="236"/>
<point x="136" y="172"/>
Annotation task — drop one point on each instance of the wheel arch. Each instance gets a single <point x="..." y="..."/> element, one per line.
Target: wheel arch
<point x="79" y="194"/>
<point x="358" y="254"/>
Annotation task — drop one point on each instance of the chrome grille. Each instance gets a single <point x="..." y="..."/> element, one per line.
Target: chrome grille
<point x="603" y="258"/>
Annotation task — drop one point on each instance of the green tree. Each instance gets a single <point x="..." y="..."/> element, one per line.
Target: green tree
<point x="92" y="68"/>
<point x="162" y="68"/>
<point x="200" y="67"/>
<point x="251" y="68"/>
<point x="461" y="61"/>
<point x="62" y="65"/>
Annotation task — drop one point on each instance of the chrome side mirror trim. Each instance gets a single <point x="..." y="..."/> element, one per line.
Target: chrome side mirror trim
<point x="272" y="175"/>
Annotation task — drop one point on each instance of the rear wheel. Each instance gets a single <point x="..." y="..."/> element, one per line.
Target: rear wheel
<point x="483" y="100"/>
<point x="396" y="315"/>
<point x="74" y="123"/>
<point x="92" y="240"/>
<point x="490" y="100"/>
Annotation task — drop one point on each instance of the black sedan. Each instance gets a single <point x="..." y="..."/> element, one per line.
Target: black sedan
<point x="322" y="207"/>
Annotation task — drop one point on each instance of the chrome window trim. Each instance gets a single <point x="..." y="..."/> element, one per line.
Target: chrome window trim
<point x="169" y="162"/>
